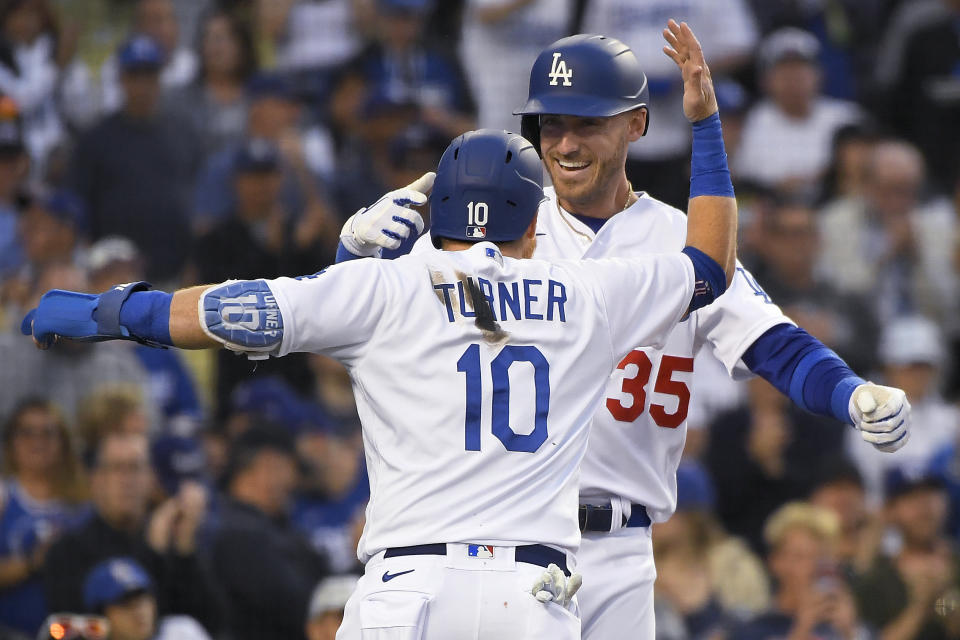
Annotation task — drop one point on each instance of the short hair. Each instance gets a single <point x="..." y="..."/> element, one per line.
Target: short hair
<point x="821" y="523"/>
<point x="263" y="436"/>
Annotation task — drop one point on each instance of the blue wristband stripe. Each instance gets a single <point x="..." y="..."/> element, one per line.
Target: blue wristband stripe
<point x="840" y="398"/>
<point x="344" y="254"/>
<point x="709" y="173"/>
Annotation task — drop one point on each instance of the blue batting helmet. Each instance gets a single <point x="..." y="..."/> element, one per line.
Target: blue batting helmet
<point x="489" y="186"/>
<point x="583" y="75"/>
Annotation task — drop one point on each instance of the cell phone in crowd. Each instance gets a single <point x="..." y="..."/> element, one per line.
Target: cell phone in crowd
<point x="71" y="626"/>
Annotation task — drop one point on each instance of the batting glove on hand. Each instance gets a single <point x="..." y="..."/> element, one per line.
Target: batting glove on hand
<point x="553" y="585"/>
<point x="882" y="415"/>
<point x="388" y="221"/>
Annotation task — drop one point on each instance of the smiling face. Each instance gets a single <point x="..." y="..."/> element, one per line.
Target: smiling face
<point x="585" y="156"/>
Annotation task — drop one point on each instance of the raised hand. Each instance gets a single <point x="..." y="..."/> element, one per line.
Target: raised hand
<point x="699" y="99"/>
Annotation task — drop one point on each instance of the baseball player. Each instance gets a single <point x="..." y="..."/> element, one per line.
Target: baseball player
<point x="476" y="375"/>
<point x="587" y="101"/>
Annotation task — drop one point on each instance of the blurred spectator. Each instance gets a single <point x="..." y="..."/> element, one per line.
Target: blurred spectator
<point x="335" y="489"/>
<point x="215" y="103"/>
<point x="913" y="592"/>
<point x="177" y="66"/>
<point x="847" y="30"/>
<point x="14" y="169"/>
<point x="500" y="39"/>
<point x="177" y="460"/>
<point x="116" y="259"/>
<point x="912" y="352"/>
<point x="334" y="390"/>
<point x="846" y="175"/>
<point x="121" y="590"/>
<point x="260" y="239"/>
<point x="705" y="579"/>
<point x="326" y="606"/>
<point x="793" y="116"/>
<point x="30" y="70"/>
<point x="733" y="102"/>
<point x="318" y="38"/>
<point x="918" y="69"/>
<point x="872" y="245"/>
<point x="306" y="150"/>
<point x="401" y="79"/>
<point x="40" y="494"/>
<point x="413" y="152"/>
<point x="135" y="168"/>
<point x="787" y="268"/>
<point x="811" y="599"/>
<point x="763" y="455"/>
<point x="659" y="163"/>
<point x="51" y="231"/>
<point x="318" y="35"/>
<point x="116" y="407"/>
<point x="267" y="570"/>
<point x="70" y="371"/>
<point x="163" y="541"/>
<point x="840" y="489"/>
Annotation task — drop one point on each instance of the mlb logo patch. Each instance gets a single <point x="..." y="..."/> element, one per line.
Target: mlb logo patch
<point x="480" y="550"/>
<point x="476" y="232"/>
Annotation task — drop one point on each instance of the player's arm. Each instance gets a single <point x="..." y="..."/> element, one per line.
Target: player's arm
<point x="334" y="311"/>
<point x="712" y="212"/>
<point x="386" y="224"/>
<point x="818" y="380"/>
<point x="137" y="312"/>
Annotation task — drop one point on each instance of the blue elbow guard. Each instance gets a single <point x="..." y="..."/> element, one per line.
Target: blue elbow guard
<point x="94" y="318"/>
<point x="710" y="280"/>
<point x="244" y="316"/>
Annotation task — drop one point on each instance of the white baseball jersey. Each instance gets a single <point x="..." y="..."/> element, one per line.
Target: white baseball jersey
<point x="640" y="428"/>
<point x="474" y="429"/>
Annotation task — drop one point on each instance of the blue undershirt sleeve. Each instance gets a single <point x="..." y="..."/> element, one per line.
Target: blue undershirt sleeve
<point x="804" y="369"/>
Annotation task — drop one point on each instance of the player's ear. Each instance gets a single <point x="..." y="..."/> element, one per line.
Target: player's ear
<point x="531" y="231"/>
<point x="636" y="124"/>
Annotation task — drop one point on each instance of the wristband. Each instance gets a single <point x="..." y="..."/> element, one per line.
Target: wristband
<point x="709" y="173"/>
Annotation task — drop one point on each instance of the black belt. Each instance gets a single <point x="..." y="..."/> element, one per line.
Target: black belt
<point x="537" y="554"/>
<point x="599" y="518"/>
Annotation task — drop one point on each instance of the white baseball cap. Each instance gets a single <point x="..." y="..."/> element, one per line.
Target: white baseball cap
<point x="911" y="340"/>
<point x="331" y="595"/>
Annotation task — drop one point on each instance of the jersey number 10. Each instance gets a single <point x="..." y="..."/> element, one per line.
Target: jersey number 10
<point x="469" y="363"/>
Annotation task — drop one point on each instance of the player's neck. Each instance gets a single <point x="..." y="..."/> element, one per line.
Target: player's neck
<point x="604" y="205"/>
<point x="507" y="249"/>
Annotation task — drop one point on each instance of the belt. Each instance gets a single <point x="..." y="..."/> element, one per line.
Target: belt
<point x="599" y="518"/>
<point x="537" y="554"/>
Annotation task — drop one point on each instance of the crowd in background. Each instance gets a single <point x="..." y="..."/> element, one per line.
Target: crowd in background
<point x="190" y="496"/>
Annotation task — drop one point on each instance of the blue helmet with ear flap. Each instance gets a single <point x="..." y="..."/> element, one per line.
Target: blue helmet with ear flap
<point x="583" y="75"/>
<point x="489" y="186"/>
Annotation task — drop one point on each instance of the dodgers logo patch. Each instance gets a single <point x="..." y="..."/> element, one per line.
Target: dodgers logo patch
<point x="482" y="551"/>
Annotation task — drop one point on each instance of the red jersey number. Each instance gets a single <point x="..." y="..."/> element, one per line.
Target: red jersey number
<point x="665" y="384"/>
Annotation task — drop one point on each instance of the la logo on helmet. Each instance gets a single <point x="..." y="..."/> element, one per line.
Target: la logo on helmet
<point x="559" y="70"/>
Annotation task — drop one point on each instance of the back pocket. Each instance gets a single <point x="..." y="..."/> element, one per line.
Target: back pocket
<point x="393" y="615"/>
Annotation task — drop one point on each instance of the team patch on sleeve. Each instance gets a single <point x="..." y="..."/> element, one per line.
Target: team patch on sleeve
<point x="244" y="316"/>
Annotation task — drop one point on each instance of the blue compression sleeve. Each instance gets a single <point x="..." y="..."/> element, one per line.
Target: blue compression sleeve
<point x="709" y="279"/>
<point x="709" y="173"/>
<point x="804" y="369"/>
<point x="146" y="314"/>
